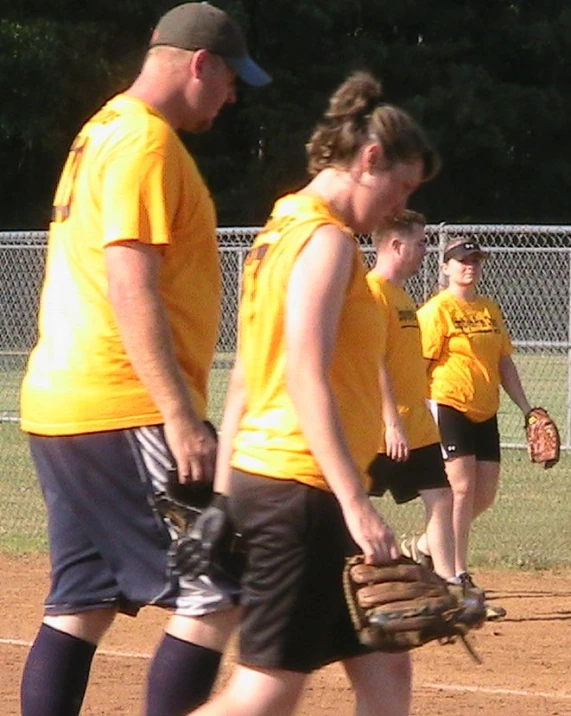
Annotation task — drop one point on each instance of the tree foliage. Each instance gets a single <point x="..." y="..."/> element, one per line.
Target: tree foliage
<point x="488" y="79"/>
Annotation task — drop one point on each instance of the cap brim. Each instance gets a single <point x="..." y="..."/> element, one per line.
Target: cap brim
<point x="460" y="255"/>
<point x="248" y="71"/>
<point x="480" y="254"/>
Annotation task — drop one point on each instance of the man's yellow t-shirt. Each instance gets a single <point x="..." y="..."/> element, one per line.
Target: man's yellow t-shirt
<point x="465" y="341"/>
<point x="127" y="177"/>
<point x="402" y="354"/>
<point x="270" y="441"/>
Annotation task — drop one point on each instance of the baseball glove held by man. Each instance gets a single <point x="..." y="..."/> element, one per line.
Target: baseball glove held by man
<point x="542" y="435"/>
<point x="403" y="605"/>
<point x="204" y="542"/>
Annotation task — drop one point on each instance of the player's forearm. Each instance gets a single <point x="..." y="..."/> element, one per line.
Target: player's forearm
<point x="511" y="383"/>
<point x="233" y="411"/>
<point x="145" y="333"/>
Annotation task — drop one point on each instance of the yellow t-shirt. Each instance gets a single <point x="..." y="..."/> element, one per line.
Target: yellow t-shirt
<point x="128" y="176"/>
<point x="402" y="353"/>
<point x="465" y="341"/>
<point x="270" y="441"/>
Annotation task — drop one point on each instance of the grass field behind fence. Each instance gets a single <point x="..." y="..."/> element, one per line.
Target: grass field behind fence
<point x="529" y="527"/>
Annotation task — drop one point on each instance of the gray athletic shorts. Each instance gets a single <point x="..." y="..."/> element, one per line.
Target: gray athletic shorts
<point x="108" y="542"/>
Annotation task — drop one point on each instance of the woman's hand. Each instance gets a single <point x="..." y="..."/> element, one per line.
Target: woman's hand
<point x="372" y="534"/>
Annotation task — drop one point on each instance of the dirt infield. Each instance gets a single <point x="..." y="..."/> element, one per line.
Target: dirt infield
<point x="525" y="671"/>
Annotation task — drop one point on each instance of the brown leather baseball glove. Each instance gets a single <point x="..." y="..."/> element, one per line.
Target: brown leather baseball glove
<point x="403" y="605"/>
<point x="542" y="435"/>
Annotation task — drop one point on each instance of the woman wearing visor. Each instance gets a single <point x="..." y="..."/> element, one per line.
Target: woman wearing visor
<point x="468" y="349"/>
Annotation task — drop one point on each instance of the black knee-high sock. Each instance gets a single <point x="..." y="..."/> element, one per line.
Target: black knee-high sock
<point x="181" y="677"/>
<point x="56" y="674"/>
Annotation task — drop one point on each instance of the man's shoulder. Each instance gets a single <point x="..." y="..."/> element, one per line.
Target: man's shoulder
<point x="132" y="123"/>
<point x="378" y="286"/>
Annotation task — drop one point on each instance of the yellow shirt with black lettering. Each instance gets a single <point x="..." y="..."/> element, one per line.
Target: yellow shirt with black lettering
<point x="270" y="441"/>
<point x="464" y="340"/>
<point x="402" y="354"/>
<point x="127" y="177"/>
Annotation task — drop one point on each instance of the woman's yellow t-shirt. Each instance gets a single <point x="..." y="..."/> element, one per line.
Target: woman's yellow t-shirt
<point x="464" y="340"/>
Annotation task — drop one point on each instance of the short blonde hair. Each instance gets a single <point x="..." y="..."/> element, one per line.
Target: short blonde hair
<point x="401" y="224"/>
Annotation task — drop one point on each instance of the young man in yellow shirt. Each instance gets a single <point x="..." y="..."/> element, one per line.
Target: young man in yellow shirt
<point x="409" y="462"/>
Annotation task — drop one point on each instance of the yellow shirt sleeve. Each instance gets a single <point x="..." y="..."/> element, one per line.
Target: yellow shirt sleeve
<point x="138" y="201"/>
<point x="432" y="330"/>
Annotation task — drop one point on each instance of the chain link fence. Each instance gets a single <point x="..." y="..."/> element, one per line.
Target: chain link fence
<point x="528" y="273"/>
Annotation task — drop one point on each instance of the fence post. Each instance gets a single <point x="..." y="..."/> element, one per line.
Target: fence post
<point x="568" y="426"/>
<point x="442" y="237"/>
<point x="241" y="255"/>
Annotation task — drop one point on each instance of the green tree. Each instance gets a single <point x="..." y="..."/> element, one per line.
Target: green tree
<point x="487" y="78"/>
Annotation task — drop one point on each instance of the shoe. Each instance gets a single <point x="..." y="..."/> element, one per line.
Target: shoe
<point x="409" y="547"/>
<point x="474" y="608"/>
<point x="467" y="583"/>
<point x="493" y="613"/>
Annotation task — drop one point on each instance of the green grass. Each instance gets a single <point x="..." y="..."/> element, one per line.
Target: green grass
<point x="22" y="514"/>
<point x="528" y="527"/>
<point x="545" y="380"/>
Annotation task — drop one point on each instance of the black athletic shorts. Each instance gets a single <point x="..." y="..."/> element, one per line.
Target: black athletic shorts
<point x="424" y="470"/>
<point x="294" y="611"/>
<point x="461" y="436"/>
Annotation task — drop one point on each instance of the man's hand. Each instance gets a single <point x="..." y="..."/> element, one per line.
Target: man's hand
<point x="193" y="446"/>
<point x="396" y="442"/>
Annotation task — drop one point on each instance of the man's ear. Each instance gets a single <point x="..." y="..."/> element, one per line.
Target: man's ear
<point x="198" y="62"/>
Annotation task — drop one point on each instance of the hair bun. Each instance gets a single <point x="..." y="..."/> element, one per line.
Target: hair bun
<point x="356" y="97"/>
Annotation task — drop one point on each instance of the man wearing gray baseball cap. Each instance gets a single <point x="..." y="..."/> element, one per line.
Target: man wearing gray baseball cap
<point x="201" y="26"/>
<point x="114" y="397"/>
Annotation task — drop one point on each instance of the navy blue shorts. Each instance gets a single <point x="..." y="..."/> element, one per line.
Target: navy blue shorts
<point x="108" y="541"/>
<point x="461" y="436"/>
<point x="424" y="470"/>
<point x="294" y="614"/>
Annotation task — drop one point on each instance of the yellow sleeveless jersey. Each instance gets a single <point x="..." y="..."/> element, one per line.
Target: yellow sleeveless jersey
<point x="269" y="440"/>
<point x="402" y="352"/>
<point x="465" y="341"/>
<point x="127" y="177"/>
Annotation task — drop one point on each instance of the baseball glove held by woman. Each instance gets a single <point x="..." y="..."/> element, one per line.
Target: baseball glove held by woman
<point x="542" y="436"/>
<point x="403" y="605"/>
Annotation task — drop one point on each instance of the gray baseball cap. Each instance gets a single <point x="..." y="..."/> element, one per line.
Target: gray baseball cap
<point x="201" y="26"/>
